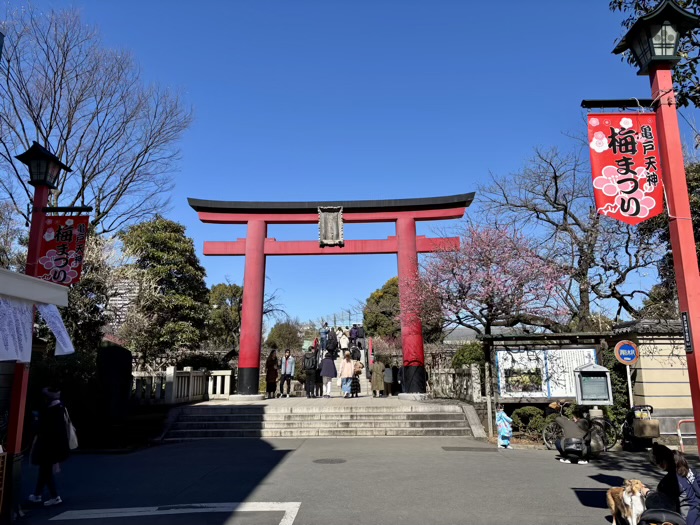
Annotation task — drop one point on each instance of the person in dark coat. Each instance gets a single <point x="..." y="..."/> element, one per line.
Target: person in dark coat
<point x="360" y="341"/>
<point x="332" y="343"/>
<point x="388" y="381"/>
<point x="353" y="335"/>
<point x="319" y="379"/>
<point x="678" y="490"/>
<point x="377" y="378"/>
<point x="271" y="374"/>
<point x="309" y="363"/>
<point x="50" y="447"/>
<point x="328" y="372"/>
<point x="578" y="429"/>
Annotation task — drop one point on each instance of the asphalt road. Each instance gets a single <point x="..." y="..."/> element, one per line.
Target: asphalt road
<point x="407" y="481"/>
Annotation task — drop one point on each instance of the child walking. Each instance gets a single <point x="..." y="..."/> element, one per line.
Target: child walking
<point x="505" y="430"/>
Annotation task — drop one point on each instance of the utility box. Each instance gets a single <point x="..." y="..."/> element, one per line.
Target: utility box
<point x="593" y="385"/>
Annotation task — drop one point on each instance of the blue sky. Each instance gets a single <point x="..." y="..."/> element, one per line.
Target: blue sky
<point x="360" y="99"/>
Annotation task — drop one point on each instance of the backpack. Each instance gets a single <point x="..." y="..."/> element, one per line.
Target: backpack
<point x="309" y="361"/>
<point x="332" y="343"/>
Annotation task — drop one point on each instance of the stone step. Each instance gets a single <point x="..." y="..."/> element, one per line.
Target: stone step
<point x="182" y="435"/>
<point x="252" y="425"/>
<point x="321" y="416"/>
<point x="314" y="409"/>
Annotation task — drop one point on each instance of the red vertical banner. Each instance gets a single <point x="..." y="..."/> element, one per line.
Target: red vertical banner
<point x="626" y="166"/>
<point x="62" y="249"/>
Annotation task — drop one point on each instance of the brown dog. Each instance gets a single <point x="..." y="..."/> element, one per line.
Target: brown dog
<point x="626" y="502"/>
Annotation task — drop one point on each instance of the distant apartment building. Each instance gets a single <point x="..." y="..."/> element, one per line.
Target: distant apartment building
<point x="123" y="297"/>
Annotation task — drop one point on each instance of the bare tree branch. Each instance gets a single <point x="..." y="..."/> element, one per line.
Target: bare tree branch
<point x="553" y="197"/>
<point x="89" y="106"/>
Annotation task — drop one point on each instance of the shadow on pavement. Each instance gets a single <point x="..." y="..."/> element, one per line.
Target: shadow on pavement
<point x="607" y="479"/>
<point x="591" y="497"/>
<point x="636" y="462"/>
<point x="191" y="472"/>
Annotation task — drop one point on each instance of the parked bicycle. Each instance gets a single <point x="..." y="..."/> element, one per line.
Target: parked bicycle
<point x="602" y="426"/>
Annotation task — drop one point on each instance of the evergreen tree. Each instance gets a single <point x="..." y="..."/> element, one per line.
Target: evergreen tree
<point x="224" y="324"/>
<point x="381" y="315"/>
<point x="285" y="335"/>
<point x="170" y="314"/>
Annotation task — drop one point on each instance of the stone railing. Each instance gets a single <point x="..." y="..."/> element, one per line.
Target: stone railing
<point x="221" y="384"/>
<point x="459" y="383"/>
<point x="170" y="387"/>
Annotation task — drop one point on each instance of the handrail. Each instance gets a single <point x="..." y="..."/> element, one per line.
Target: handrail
<point x="678" y="430"/>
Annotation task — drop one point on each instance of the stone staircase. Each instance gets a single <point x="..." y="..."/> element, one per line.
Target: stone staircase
<point x="337" y="417"/>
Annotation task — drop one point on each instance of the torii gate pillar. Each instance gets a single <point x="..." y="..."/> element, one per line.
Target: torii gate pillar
<point x="252" y="311"/>
<point x="411" y="326"/>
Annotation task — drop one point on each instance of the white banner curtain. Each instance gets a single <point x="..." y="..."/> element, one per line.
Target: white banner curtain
<point x="16" y="324"/>
<point x="50" y="314"/>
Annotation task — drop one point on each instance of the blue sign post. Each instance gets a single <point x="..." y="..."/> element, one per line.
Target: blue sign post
<point x="627" y="353"/>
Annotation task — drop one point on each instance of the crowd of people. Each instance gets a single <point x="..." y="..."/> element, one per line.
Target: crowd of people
<point x="320" y="371"/>
<point x="336" y="340"/>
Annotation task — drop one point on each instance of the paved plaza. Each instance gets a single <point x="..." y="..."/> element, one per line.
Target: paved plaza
<point x="408" y="481"/>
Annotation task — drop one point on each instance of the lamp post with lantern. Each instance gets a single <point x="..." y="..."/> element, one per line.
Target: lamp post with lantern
<point x="44" y="170"/>
<point x="653" y="42"/>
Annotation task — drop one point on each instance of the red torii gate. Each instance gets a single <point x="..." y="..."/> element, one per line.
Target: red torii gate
<point x="257" y="246"/>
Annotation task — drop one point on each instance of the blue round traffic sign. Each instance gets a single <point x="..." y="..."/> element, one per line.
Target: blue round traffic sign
<point x="626" y="352"/>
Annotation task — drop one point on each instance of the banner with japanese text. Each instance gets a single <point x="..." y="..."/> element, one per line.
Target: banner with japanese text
<point x="63" y="249"/>
<point x="626" y="166"/>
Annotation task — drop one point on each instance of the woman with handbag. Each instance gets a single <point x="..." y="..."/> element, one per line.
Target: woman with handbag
<point x="328" y="372"/>
<point x="50" y="446"/>
<point x="355" y="384"/>
<point x="347" y="371"/>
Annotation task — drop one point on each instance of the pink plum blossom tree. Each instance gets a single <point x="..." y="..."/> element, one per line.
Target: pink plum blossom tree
<point x="496" y="278"/>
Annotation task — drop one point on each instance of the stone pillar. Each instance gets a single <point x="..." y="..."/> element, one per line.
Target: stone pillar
<point x="411" y="327"/>
<point x="252" y="315"/>
<point x="170" y="385"/>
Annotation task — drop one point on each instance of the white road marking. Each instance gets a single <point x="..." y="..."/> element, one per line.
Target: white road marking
<point x="290" y="510"/>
